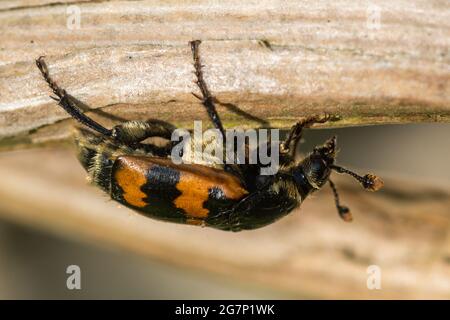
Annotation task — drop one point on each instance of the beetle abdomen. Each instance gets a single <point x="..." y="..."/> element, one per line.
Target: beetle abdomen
<point x="97" y="155"/>
<point x="179" y="193"/>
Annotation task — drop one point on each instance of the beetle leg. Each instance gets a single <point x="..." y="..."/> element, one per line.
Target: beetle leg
<point x="206" y="98"/>
<point x="130" y="132"/>
<point x="289" y="145"/>
<point x="68" y="104"/>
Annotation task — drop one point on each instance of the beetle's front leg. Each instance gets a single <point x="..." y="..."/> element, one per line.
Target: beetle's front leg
<point x="289" y="145"/>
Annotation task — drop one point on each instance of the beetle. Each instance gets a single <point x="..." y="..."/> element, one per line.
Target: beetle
<point x="142" y="176"/>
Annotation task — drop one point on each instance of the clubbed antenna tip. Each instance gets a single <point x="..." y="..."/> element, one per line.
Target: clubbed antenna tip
<point x="372" y="183"/>
<point x="345" y="214"/>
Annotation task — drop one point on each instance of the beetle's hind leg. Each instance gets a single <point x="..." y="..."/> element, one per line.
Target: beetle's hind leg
<point x="66" y="103"/>
<point x="42" y="66"/>
<point x="131" y="132"/>
<point x="206" y="98"/>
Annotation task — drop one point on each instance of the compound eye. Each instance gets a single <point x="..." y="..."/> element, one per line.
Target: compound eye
<point x="317" y="165"/>
<point x="318" y="168"/>
<point x="319" y="171"/>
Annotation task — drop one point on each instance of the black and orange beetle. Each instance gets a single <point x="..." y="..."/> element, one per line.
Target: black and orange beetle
<point x="233" y="198"/>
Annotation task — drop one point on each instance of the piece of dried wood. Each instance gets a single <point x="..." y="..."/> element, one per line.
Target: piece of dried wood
<point x="275" y="61"/>
<point x="403" y="229"/>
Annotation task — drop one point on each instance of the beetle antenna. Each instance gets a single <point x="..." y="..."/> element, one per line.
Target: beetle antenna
<point x="370" y="181"/>
<point x="67" y="104"/>
<point x="344" y="212"/>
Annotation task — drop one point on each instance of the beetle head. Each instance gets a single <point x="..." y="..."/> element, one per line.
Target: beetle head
<point x="317" y="165"/>
<point x="316" y="169"/>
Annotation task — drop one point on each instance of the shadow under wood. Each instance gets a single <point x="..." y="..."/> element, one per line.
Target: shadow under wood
<point x="236" y="110"/>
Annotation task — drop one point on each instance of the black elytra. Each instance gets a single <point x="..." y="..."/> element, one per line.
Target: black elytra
<point x="142" y="176"/>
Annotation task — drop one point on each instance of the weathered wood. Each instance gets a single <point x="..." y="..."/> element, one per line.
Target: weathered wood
<point x="404" y="229"/>
<point x="276" y="61"/>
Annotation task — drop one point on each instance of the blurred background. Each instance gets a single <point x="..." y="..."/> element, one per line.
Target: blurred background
<point x="35" y="251"/>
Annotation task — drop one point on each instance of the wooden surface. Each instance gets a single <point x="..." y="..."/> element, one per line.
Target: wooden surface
<point x="273" y="60"/>
<point x="268" y="63"/>
<point x="404" y="229"/>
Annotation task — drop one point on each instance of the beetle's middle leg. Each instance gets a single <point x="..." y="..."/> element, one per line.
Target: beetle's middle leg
<point x="206" y="98"/>
<point x="289" y="145"/>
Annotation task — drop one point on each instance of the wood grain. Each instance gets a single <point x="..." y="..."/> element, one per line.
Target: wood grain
<point x="274" y="60"/>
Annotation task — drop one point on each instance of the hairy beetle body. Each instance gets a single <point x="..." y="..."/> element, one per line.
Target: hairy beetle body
<point x="192" y="194"/>
<point x="231" y="197"/>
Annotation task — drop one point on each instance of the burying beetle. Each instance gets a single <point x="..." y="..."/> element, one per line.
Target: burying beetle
<point x="234" y="197"/>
